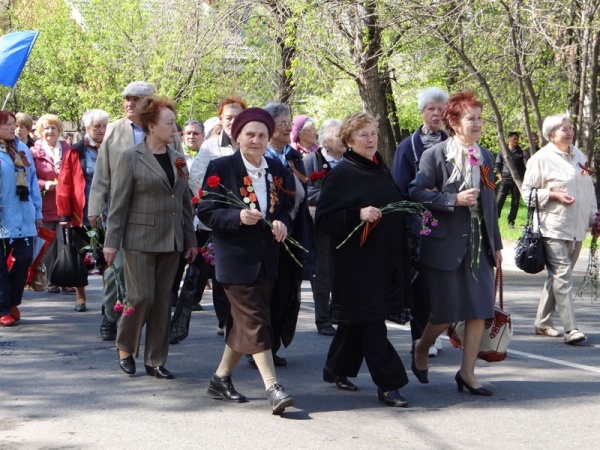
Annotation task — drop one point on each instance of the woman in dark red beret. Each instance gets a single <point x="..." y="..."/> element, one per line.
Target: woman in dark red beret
<point x="247" y="249"/>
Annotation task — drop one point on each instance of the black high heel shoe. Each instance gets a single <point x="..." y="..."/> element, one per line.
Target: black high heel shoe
<point x="460" y="383"/>
<point x="422" y="375"/>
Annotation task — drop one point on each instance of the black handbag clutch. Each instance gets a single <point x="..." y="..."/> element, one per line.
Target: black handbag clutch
<point x="69" y="269"/>
<point x="529" y="254"/>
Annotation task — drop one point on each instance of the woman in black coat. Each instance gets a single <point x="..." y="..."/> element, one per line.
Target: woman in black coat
<point x="356" y="190"/>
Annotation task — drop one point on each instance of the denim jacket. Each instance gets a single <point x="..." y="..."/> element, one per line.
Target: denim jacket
<point x="17" y="218"/>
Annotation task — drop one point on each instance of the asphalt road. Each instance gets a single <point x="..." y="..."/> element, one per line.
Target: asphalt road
<point x="61" y="388"/>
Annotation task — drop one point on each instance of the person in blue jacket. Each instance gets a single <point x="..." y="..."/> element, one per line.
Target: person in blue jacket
<point x="20" y="217"/>
<point x="405" y="166"/>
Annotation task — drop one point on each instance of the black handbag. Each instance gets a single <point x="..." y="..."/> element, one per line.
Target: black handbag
<point x="193" y="287"/>
<point x="69" y="269"/>
<point x="530" y="255"/>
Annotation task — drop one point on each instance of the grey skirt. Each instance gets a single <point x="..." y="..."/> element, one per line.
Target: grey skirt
<point x="455" y="295"/>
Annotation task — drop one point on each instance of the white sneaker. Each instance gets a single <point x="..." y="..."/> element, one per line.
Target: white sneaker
<point x="433" y="351"/>
<point x="574" y="336"/>
<point x="438" y="343"/>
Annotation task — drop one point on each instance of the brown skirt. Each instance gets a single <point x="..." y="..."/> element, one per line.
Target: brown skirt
<point x="249" y="323"/>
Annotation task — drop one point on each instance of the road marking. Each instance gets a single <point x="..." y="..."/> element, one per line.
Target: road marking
<point x="510" y="351"/>
<point x="555" y="361"/>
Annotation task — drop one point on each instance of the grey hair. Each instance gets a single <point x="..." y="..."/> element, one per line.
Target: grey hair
<point x="194" y="122"/>
<point x="94" y="115"/>
<point x="329" y="127"/>
<point x="429" y="95"/>
<point x="310" y="121"/>
<point x="277" y="109"/>
<point x="551" y="123"/>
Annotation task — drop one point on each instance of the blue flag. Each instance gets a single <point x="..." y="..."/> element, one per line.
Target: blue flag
<point x="14" y="51"/>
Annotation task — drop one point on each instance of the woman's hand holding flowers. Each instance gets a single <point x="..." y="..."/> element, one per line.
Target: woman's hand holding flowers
<point x="250" y="216"/>
<point x="370" y="214"/>
<point x="467" y="197"/>
<point x="279" y="230"/>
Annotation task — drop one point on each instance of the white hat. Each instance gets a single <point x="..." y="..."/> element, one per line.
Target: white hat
<point x="138" y="89"/>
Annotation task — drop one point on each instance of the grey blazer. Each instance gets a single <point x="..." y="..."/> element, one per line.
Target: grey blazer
<point x="446" y="246"/>
<point x="146" y="213"/>
<point x="119" y="136"/>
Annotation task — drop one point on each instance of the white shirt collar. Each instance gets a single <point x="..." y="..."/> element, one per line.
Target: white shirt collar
<point x="253" y="170"/>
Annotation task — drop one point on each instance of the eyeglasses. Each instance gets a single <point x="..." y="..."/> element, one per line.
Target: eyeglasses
<point x="284" y="124"/>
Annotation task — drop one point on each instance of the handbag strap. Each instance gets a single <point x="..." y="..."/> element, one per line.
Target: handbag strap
<point x="67" y="236"/>
<point x="498" y="290"/>
<point x="536" y="207"/>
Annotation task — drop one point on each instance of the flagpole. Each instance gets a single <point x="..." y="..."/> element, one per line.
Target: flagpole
<point x="6" y="99"/>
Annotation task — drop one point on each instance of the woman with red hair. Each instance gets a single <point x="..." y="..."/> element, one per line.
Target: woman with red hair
<point x="456" y="180"/>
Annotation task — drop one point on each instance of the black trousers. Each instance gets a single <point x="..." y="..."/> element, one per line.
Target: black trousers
<point x="321" y="283"/>
<point x="420" y="307"/>
<point x="508" y="186"/>
<point x="352" y="343"/>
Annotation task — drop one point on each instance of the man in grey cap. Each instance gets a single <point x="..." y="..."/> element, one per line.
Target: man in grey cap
<point x="120" y="135"/>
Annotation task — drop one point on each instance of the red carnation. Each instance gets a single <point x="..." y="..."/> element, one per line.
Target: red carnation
<point x="200" y="193"/>
<point x="213" y="181"/>
<point x="195" y="200"/>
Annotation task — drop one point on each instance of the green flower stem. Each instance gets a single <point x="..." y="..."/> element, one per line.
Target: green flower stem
<point x="405" y="206"/>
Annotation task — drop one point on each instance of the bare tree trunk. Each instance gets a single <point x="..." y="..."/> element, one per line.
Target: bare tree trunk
<point x="285" y="38"/>
<point x="366" y="51"/>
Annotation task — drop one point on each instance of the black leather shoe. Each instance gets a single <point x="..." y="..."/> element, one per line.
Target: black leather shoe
<point x="197" y="307"/>
<point x="279" y="399"/>
<point x="421" y="375"/>
<point x="159" y="372"/>
<point x="342" y="382"/>
<point x="222" y="388"/>
<point x="127" y="364"/>
<point x="460" y="383"/>
<point x="279" y="361"/>
<point x="108" y="330"/>
<point x="80" y="307"/>
<point x="327" y="330"/>
<point x="392" y="398"/>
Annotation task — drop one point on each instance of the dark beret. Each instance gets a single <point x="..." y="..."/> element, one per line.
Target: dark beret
<point x="252" y="115"/>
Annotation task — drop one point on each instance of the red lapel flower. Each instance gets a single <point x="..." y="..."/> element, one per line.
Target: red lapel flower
<point x="213" y="181"/>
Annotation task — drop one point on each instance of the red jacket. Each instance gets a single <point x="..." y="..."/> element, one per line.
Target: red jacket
<point x="46" y="171"/>
<point x="70" y="192"/>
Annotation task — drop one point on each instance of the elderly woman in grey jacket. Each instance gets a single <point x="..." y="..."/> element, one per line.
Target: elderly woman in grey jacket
<point x="559" y="177"/>
<point x="455" y="180"/>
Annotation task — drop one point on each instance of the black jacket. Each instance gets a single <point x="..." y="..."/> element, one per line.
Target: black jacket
<point x="241" y="250"/>
<point x="371" y="282"/>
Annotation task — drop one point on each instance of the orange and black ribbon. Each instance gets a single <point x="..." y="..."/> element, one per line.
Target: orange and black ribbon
<point x="180" y="164"/>
<point x="367" y="229"/>
<point x="586" y="169"/>
<point x="485" y="170"/>
<point x="301" y="177"/>
<point x="278" y="182"/>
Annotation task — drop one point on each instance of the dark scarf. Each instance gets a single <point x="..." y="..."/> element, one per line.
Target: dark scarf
<point x="21" y="163"/>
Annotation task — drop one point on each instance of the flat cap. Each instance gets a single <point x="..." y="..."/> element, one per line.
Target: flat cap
<point x="138" y="89"/>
